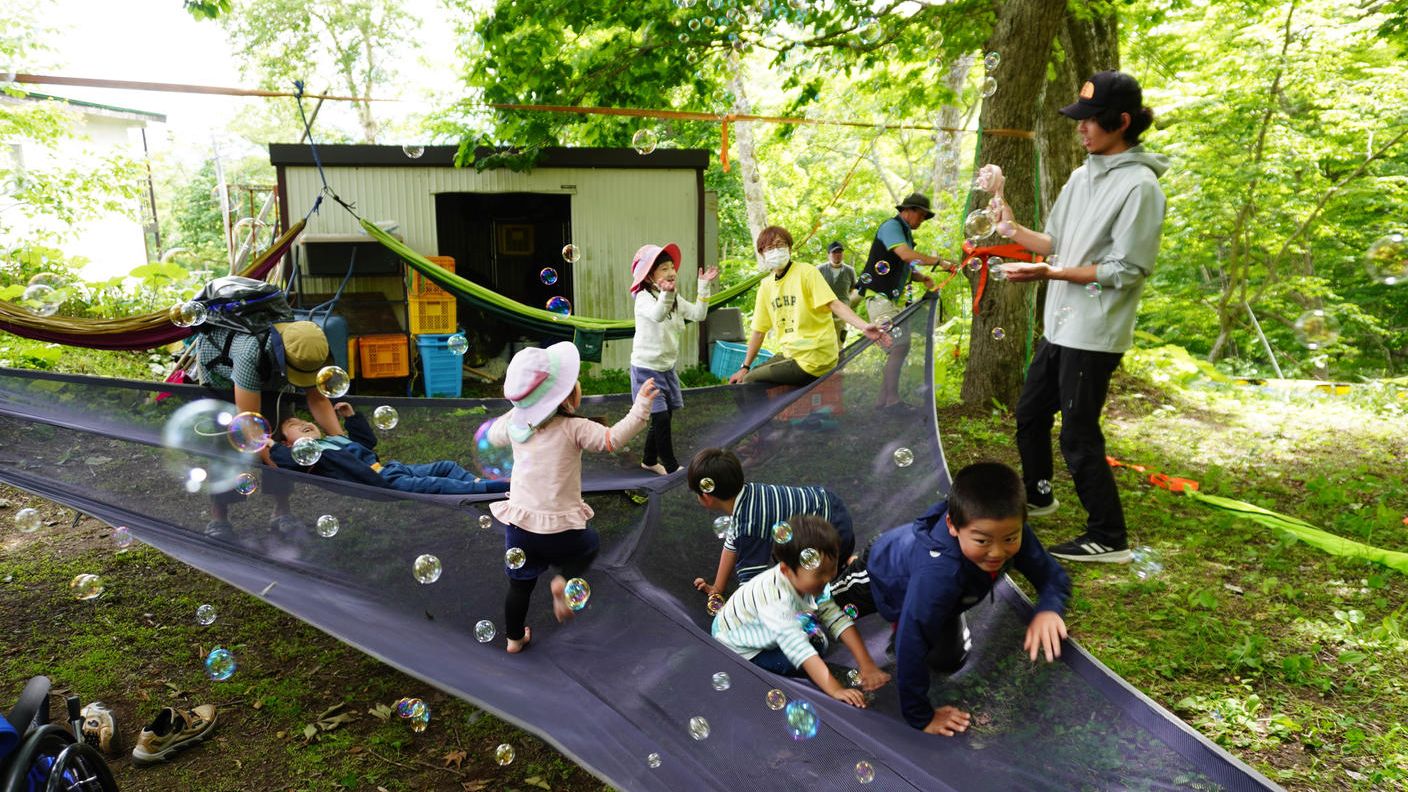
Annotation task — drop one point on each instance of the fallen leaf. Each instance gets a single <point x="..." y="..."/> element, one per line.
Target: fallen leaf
<point x="1233" y="588"/>
<point x="537" y="782"/>
<point x="309" y="732"/>
<point x="258" y="704"/>
<point x="474" y="786"/>
<point x="382" y="789"/>
<point x="380" y="711"/>
<point x="455" y="758"/>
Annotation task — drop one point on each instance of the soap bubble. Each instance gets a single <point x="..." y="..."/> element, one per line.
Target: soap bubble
<point x="560" y="305"/>
<point x="802" y="720"/>
<point x="122" y="538"/>
<point x="882" y="268"/>
<point x="992" y="60"/>
<point x="426" y="568"/>
<point x="41" y="300"/>
<point x="1093" y="289"/>
<point x="548" y="276"/>
<point x="457" y="344"/>
<point x="28" y="520"/>
<point x="504" y="754"/>
<point x="706" y="485"/>
<point x="327" y="526"/>
<point x="809" y="623"/>
<point x="187" y="314"/>
<point x="571" y="254"/>
<point x="721" y="682"/>
<point x="653" y="761"/>
<point x="486" y="522"/>
<point x="869" y="32"/>
<point x="853" y="678"/>
<point x="989" y="87"/>
<point x="86" y="587"/>
<point x="865" y="278"/>
<point x="1387" y="259"/>
<point x="978" y="224"/>
<point x="864" y="772"/>
<point x="644" y="141"/>
<point x="306" y="451"/>
<point x="515" y="558"/>
<point x="205" y="615"/>
<point x="693" y="25"/>
<point x="714" y="604"/>
<point x="1316" y="329"/>
<point x="410" y="708"/>
<point x="903" y="457"/>
<point x="385" y="417"/>
<point x="197" y="442"/>
<point x="333" y="382"/>
<point x="1054" y="261"/>
<point x="776" y="699"/>
<point x="852" y="611"/>
<point x="220" y="664"/>
<point x="577" y="592"/>
<point x="249" y="432"/>
<point x="1044" y="487"/>
<point x="810" y="558"/>
<point x="246" y="484"/>
<point x="782" y="532"/>
<point x="1147" y="562"/>
<point x="995" y="270"/>
<point x="489" y="460"/>
<point x="699" y="728"/>
<point x="414" y="152"/>
<point x="998" y="334"/>
<point x="722" y="524"/>
<point x="484" y="631"/>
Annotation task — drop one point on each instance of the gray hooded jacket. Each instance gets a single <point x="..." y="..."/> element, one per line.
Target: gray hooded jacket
<point x="1110" y="214"/>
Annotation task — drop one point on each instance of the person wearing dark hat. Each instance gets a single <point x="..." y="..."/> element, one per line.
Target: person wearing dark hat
<point x="1101" y="238"/>
<point x="841" y="277"/>
<point x="892" y="264"/>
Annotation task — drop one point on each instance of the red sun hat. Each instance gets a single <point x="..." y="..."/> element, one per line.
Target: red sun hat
<point x="644" y="262"/>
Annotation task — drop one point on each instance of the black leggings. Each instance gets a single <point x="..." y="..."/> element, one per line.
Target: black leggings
<point x="659" y="445"/>
<point x="520" y="595"/>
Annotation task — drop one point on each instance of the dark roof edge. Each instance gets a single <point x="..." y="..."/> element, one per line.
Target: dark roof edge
<point x="294" y="154"/>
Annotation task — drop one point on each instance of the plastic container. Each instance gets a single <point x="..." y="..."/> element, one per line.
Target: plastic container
<point x="432" y="315"/>
<point x="421" y="286"/>
<point x="827" y="398"/>
<point x="440" y="368"/>
<point x="727" y="356"/>
<point x="383" y="356"/>
<point x="351" y="366"/>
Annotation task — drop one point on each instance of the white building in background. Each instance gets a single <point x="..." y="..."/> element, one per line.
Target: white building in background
<point x="115" y="242"/>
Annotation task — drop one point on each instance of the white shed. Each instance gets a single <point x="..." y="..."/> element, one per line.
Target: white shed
<point x="503" y="227"/>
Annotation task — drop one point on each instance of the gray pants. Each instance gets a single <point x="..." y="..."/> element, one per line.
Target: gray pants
<point x="780" y="371"/>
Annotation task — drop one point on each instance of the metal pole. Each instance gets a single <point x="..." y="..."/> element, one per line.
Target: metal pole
<point x="151" y="196"/>
<point x="1274" y="364"/>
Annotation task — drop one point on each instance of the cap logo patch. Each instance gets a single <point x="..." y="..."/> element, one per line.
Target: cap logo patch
<point x="1087" y="91"/>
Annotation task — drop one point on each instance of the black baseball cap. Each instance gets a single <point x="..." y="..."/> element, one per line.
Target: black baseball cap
<point x="1106" y="90"/>
<point x="835" y="246"/>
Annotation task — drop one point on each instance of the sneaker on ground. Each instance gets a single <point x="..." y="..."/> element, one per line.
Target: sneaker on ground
<point x="219" y="529"/>
<point x="1083" y="548"/>
<point x="100" y="728"/>
<point x="1041" y="511"/>
<point x="171" y="731"/>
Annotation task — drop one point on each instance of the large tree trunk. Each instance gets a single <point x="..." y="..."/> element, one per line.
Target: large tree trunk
<point x="948" y="144"/>
<point x="754" y="199"/>
<point x="1023" y="36"/>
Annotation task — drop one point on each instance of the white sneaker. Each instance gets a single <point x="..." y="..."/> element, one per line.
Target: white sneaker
<point x="1042" y="511"/>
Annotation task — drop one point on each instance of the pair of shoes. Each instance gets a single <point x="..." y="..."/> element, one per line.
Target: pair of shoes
<point x="219" y="529"/>
<point x="100" y="728"/>
<point x="171" y="731"/>
<point x="1084" y="548"/>
<point x="1041" y="511"/>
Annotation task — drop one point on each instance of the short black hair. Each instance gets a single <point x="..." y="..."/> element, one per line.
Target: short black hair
<point x="986" y="491"/>
<point x="1139" y="120"/>
<point x="808" y="530"/>
<point x="720" y="465"/>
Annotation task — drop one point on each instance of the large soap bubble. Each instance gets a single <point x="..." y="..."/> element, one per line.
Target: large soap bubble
<point x="306" y="451"/>
<point x="197" y="438"/>
<point x="249" y="432"/>
<point x="187" y="314"/>
<point x="489" y="460"/>
<point x="333" y="382"/>
<point x="220" y="664"/>
<point x="802" y="720"/>
<point x="86" y="587"/>
<point x="989" y="87"/>
<point x="42" y="300"/>
<point x="577" y="593"/>
<point x="426" y="569"/>
<point x="699" y="727"/>
<point x="385" y="417"/>
<point x="560" y="305"/>
<point x="1316" y="329"/>
<point x="548" y="276"/>
<point x="978" y="225"/>
<point x="1387" y="259"/>
<point x="28" y="520"/>
<point x="644" y="141"/>
<point x="571" y="254"/>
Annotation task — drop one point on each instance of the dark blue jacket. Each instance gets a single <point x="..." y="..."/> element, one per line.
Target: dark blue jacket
<point x="352" y="463"/>
<point x="920" y="580"/>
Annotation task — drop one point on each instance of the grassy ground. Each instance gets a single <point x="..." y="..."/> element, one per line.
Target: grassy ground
<point x="1294" y="660"/>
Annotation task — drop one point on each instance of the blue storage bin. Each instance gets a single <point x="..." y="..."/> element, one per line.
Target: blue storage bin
<point x="334" y="327"/>
<point x="440" y="369"/>
<point x="727" y="356"/>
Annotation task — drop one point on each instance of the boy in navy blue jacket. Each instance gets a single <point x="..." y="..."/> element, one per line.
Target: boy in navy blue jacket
<point x="349" y="457"/>
<point x="921" y="577"/>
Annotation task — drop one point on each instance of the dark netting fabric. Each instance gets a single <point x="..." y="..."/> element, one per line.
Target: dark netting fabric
<point x="623" y="680"/>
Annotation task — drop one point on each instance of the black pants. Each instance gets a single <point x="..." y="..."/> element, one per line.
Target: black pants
<point x="570" y="552"/>
<point x="659" y="445"/>
<point x="1075" y="383"/>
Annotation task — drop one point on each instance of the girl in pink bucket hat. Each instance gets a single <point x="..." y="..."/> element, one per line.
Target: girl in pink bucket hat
<point x="545" y="518"/>
<point x="660" y="316"/>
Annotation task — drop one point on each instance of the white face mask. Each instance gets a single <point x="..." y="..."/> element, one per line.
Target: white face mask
<point x="777" y="258"/>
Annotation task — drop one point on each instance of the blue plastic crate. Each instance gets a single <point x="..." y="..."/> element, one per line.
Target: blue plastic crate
<point x="441" y="370"/>
<point x="727" y="356"/>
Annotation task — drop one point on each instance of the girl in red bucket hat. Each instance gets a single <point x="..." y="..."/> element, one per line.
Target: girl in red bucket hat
<point x="660" y="316"/>
<point x="545" y="518"/>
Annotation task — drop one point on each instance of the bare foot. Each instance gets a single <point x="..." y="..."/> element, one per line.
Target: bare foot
<point x="559" y="599"/>
<point x="657" y="468"/>
<point x="514" y="647"/>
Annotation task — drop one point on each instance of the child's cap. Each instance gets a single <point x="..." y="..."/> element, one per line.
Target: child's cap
<point x="538" y="380"/>
<point x="644" y="262"/>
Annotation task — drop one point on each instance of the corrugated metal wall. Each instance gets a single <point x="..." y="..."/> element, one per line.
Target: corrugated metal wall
<point x="614" y="212"/>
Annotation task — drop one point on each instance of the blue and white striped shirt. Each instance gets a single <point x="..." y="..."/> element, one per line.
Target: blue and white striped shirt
<point x="762" y="615"/>
<point x="758" y="508"/>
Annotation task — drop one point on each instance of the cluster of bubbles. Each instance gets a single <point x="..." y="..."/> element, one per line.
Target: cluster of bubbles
<point x="457" y="344"/>
<point x="484" y="631"/>
<point x="333" y="382"/>
<point x="28" y="520"/>
<point x="776" y="699"/>
<point x="187" y="314"/>
<point x="577" y="593"/>
<point x="903" y="457"/>
<point x="205" y="615"/>
<point x="990" y="63"/>
<point x="548" y="276"/>
<point x="782" y="532"/>
<point x="220" y="664"/>
<point x="802" y="719"/>
<point x="721" y="682"/>
<point x="699" y="727"/>
<point x="86" y="587"/>
<point x="415" y="711"/>
<point x="504" y="754"/>
<point x="327" y="526"/>
<point x="426" y="569"/>
<point x="644" y="141"/>
<point x="1147" y="562"/>
<point x="515" y="558"/>
<point x="995" y="269"/>
<point x="810" y="558"/>
<point x="1317" y="329"/>
<point x="385" y="417"/>
<point x="559" y="305"/>
<point x="489" y="460"/>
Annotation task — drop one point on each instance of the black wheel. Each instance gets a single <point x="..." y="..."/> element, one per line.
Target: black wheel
<point x="80" y="768"/>
<point x="39" y="746"/>
<point x="32" y="709"/>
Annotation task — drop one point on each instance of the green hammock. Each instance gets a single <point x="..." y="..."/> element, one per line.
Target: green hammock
<point x="586" y="331"/>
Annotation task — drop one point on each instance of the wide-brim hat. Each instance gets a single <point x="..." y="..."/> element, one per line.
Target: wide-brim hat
<point x="305" y="352"/>
<point x="918" y="201"/>
<point x="644" y="262"/>
<point x="538" y="380"/>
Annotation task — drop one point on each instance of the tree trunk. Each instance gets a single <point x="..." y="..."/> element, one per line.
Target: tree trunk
<point x="1022" y="35"/>
<point x="947" y="144"/>
<point x="754" y="199"/>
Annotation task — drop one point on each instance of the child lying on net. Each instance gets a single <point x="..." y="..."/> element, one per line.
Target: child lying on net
<point x="775" y="620"/>
<point x="349" y="456"/>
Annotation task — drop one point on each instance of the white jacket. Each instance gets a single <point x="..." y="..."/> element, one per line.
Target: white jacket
<point x="658" y="330"/>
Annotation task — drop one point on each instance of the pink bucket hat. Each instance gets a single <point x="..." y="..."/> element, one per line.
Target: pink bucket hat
<point x="644" y="262"/>
<point x="538" y="380"/>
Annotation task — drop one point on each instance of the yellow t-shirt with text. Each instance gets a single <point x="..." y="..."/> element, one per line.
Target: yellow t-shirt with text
<point x="795" y="309"/>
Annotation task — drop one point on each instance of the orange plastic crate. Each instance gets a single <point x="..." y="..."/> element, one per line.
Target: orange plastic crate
<point x="352" y="357"/>
<point x="422" y="286"/>
<point x="828" y="398"/>
<point x="432" y="315"/>
<point x="383" y="356"/>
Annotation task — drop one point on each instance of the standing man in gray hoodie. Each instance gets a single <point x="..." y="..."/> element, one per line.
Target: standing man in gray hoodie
<point x="1101" y="239"/>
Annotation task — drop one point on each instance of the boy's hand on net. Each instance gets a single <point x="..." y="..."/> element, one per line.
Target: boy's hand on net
<point x="851" y="696"/>
<point x="343" y="409"/>
<point x="705" y="586"/>
<point x="872" y="679"/>
<point x="1045" y="634"/>
<point x="948" y="721"/>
